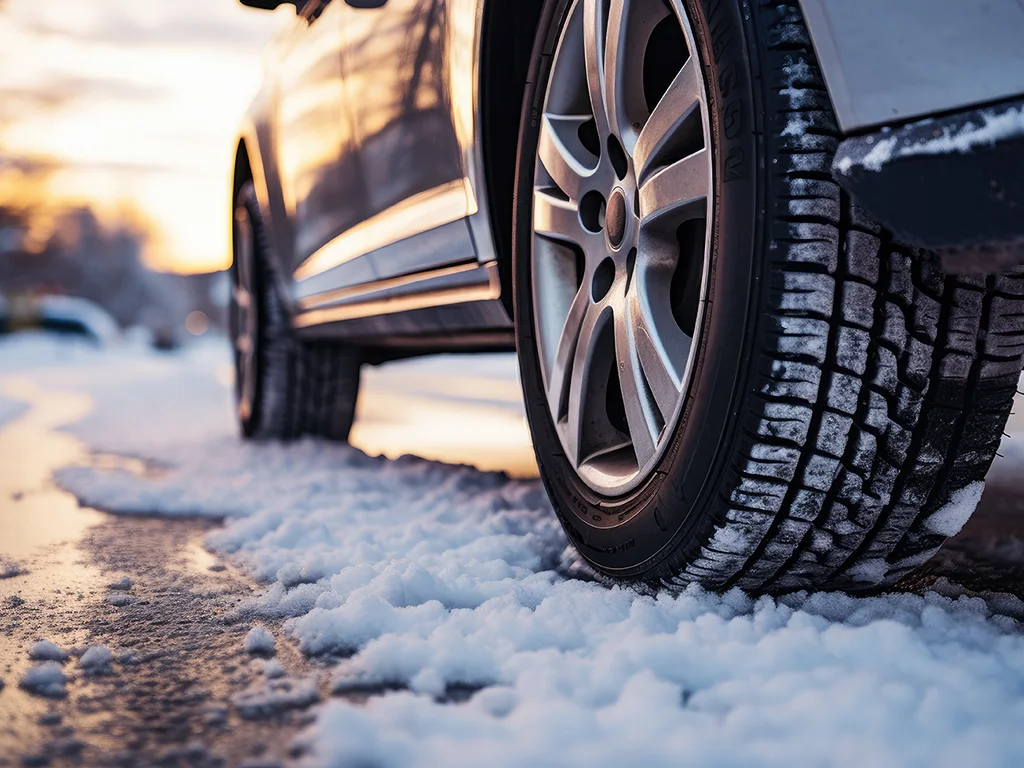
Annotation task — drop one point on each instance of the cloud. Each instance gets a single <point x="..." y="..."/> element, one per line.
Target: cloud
<point x="134" y="102"/>
<point x="64" y="89"/>
<point x="19" y="100"/>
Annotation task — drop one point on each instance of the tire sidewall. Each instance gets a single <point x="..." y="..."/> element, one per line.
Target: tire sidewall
<point x="673" y="511"/>
<point x="246" y="198"/>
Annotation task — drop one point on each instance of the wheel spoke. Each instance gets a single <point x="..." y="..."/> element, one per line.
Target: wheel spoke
<point x="243" y="344"/>
<point x="565" y="351"/>
<point x="247" y="359"/>
<point x="243" y="247"/>
<point x="680" y="184"/>
<point x="616" y="53"/>
<point x="662" y="348"/>
<point x="593" y="49"/>
<point x="679" y="105"/>
<point x="557" y="219"/>
<point x="561" y="152"/>
<point x="643" y="429"/>
<point x="579" y="380"/>
<point x="243" y="298"/>
<point x="247" y="382"/>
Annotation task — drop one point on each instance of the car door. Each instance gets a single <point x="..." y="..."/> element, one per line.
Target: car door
<point x="398" y="85"/>
<point x="322" y="187"/>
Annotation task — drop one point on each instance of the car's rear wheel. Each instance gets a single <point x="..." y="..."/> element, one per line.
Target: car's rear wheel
<point x="285" y="388"/>
<point x="732" y="376"/>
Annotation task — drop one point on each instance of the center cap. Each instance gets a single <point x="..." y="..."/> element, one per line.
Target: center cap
<point x="615" y="218"/>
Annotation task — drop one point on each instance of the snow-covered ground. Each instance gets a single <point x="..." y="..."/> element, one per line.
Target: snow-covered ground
<point x="10" y="410"/>
<point x="448" y="593"/>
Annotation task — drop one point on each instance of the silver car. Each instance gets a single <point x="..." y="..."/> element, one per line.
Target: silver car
<point x="757" y="259"/>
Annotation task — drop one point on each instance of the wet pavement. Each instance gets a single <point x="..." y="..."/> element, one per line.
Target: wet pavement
<point x="145" y="589"/>
<point x="171" y="695"/>
<point x="444" y="409"/>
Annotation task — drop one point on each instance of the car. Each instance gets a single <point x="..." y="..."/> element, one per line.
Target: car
<point x="58" y="314"/>
<point x="759" y="261"/>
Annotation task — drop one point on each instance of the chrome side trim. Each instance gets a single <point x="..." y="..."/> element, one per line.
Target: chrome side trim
<point x="433" y="249"/>
<point x="439" y="206"/>
<point x="449" y="285"/>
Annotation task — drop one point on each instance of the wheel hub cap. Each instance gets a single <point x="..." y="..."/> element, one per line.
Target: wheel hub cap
<point x="616" y="218"/>
<point x="618" y="287"/>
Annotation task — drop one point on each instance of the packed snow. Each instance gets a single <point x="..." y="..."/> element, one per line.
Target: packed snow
<point x="995" y="125"/>
<point x="950" y="519"/>
<point x="10" y="410"/>
<point x="46" y="650"/>
<point x="124" y="584"/>
<point x="260" y="641"/>
<point x="97" y="660"/>
<point x="274" y="695"/>
<point x="46" y="679"/>
<point x="446" y="593"/>
<point x="9" y="568"/>
<point x="274" y="669"/>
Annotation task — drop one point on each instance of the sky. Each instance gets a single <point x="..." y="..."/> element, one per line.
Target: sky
<point x="134" y="107"/>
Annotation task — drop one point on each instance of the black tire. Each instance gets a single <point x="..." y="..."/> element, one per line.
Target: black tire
<point x="848" y="396"/>
<point x="301" y="388"/>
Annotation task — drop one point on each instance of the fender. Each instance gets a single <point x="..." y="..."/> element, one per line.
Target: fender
<point x="256" y="138"/>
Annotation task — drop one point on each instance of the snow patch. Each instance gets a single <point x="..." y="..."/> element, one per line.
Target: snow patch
<point x="994" y="127"/>
<point x="11" y="410"/>
<point x="46" y="679"/>
<point x="275" y="696"/>
<point x="950" y="519"/>
<point x="869" y="571"/>
<point x="123" y="584"/>
<point x="97" y="660"/>
<point x="45" y="650"/>
<point x="9" y="569"/>
<point x="874" y="160"/>
<point x="259" y="640"/>
<point x="273" y="669"/>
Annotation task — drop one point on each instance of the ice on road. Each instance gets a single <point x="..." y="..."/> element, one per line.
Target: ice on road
<point x="448" y="594"/>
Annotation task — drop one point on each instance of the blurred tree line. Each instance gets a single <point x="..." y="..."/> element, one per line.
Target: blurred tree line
<point x="50" y="248"/>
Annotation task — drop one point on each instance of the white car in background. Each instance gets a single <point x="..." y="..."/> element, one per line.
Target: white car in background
<point x="58" y="314"/>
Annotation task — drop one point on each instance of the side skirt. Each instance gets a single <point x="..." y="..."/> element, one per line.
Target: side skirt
<point x="456" y="308"/>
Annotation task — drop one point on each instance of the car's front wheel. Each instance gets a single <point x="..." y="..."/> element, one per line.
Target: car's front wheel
<point x="731" y="375"/>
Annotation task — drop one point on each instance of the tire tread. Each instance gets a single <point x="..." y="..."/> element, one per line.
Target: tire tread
<point x="306" y="388"/>
<point x="884" y="384"/>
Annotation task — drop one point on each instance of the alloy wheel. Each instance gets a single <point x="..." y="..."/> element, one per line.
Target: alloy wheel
<point x="621" y="234"/>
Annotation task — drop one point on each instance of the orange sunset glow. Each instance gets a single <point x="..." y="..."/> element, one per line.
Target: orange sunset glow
<point x="130" y="107"/>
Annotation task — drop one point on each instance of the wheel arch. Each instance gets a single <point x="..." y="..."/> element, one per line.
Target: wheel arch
<point x="249" y="166"/>
<point x="241" y="173"/>
<point x="509" y="30"/>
